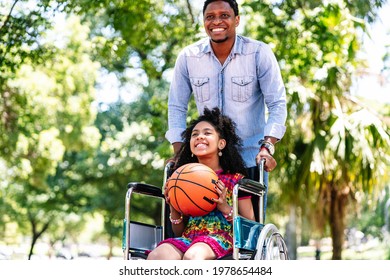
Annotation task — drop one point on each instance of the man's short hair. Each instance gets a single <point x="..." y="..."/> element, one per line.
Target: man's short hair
<point x="232" y="4"/>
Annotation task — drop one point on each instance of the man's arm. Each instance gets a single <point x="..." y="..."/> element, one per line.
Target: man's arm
<point x="176" y="147"/>
<point x="179" y="96"/>
<point x="274" y="92"/>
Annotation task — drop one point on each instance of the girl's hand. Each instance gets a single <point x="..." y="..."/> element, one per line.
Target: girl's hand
<point x="222" y="204"/>
<point x="166" y="189"/>
<point x="172" y="210"/>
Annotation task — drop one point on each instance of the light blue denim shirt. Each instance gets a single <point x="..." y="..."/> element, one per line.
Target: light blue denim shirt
<point x="249" y="79"/>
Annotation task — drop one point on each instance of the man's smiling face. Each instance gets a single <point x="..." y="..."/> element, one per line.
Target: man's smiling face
<point x="220" y="22"/>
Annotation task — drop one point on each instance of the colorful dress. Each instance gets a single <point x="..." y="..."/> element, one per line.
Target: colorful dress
<point x="213" y="228"/>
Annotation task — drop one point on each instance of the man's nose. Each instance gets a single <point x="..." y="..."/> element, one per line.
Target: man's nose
<point x="217" y="20"/>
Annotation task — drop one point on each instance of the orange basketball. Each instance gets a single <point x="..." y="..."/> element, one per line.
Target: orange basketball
<point x="190" y="189"/>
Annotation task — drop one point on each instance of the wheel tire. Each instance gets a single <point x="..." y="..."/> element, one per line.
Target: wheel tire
<point x="271" y="245"/>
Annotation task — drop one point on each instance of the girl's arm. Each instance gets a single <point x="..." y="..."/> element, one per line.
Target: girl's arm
<point x="178" y="221"/>
<point x="245" y="208"/>
<point x="176" y="218"/>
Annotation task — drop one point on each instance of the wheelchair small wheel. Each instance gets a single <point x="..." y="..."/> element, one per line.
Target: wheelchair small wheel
<point x="137" y="256"/>
<point x="271" y="245"/>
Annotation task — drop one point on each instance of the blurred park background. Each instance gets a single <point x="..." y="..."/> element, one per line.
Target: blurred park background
<point x="83" y="111"/>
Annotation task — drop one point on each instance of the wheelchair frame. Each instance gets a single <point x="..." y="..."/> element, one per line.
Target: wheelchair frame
<point x="251" y="240"/>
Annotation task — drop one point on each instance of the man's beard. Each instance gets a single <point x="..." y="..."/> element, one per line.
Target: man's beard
<point x="220" y="40"/>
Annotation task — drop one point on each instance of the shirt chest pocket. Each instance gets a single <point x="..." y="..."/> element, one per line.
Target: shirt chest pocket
<point x="201" y="88"/>
<point x="242" y="88"/>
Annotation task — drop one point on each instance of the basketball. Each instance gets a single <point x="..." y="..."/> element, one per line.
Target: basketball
<point x="190" y="189"/>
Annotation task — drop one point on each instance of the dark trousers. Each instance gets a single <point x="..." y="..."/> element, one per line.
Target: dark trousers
<point x="253" y="173"/>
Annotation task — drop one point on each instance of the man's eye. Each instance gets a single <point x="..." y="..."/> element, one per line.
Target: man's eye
<point x="225" y="16"/>
<point x="210" y="17"/>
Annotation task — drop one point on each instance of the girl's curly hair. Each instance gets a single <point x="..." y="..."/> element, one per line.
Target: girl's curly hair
<point x="231" y="160"/>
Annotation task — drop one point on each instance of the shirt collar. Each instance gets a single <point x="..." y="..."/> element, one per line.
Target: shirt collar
<point x="237" y="47"/>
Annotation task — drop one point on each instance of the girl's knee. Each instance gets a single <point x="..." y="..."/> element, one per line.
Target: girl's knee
<point x="191" y="255"/>
<point x="202" y="252"/>
<point x="165" y="252"/>
<point x="154" y="255"/>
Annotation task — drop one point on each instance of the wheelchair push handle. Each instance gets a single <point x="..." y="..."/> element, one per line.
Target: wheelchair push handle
<point x="261" y="171"/>
<point x="168" y="171"/>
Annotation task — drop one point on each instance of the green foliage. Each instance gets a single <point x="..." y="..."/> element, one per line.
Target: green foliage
<point x="334" y="148"/>
<point x="48" y="115"/>
<point x="144" y="35"/>
<point x="372" y="219"/>
<point x="20" y="29"/>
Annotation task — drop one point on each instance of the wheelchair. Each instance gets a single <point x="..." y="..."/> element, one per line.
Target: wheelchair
<point x="251" y="240"/>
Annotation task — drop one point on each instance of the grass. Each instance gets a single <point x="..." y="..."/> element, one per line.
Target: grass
<point x="380" y="251"/>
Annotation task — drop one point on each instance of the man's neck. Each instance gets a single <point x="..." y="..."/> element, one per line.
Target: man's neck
<point x="222" y="50"/>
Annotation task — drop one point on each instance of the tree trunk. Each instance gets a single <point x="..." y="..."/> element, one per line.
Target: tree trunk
<point x="111" y="246"/>
<point x="337" y="213"/>
<point x="33" y="241"/>
<point x="35" y="233"/>
<point x="291" y="234"/>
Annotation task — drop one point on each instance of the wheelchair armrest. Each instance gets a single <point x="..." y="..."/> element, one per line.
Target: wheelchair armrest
<point x="252" y="186"/>
<point x="146" y="189"/>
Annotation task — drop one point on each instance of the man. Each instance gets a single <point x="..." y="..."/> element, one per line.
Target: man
<point x="239" y="75"/>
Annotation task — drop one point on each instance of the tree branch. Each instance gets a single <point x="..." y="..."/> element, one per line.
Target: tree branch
<point x="9" y="14"/>
<point x="190" y="12"/>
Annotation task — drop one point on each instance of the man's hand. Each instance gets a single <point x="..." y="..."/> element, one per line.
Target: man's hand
<point x="270" y="162"/>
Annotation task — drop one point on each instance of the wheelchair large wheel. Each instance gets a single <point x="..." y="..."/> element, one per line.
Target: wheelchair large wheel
<point x="271" y="245"/>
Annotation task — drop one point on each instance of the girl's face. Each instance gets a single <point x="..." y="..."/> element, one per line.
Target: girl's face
<point x="205" y="140"/>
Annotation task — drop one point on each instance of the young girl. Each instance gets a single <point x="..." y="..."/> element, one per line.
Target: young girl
<point x="210" y="140"/>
